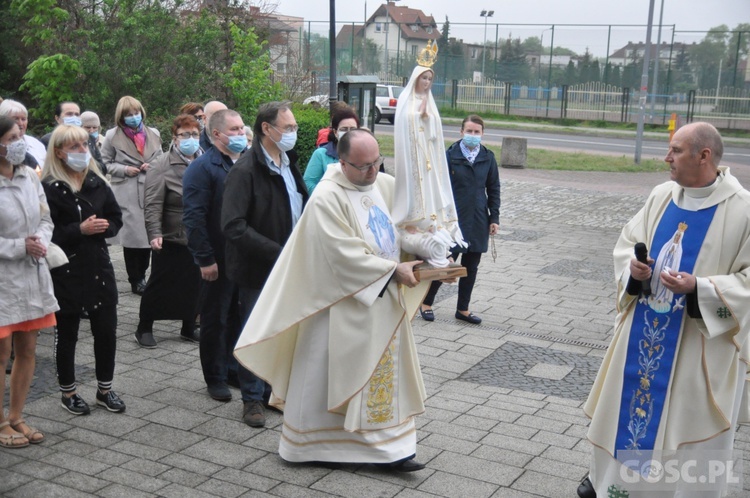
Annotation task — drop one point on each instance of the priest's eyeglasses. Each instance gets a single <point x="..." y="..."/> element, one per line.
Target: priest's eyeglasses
<point x="365" y="167"/>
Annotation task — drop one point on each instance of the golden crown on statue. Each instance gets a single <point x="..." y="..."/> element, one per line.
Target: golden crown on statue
<point x="682" y="227"/>
<point x="428" y="55"/>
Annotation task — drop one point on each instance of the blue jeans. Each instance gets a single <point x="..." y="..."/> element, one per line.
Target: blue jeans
<point x="253" y="388"/>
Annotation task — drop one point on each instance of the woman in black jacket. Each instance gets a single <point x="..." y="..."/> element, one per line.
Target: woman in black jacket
<point x="85" y="213"/>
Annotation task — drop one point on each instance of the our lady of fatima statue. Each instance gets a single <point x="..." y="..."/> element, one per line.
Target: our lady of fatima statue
<point x="424" y="210"/>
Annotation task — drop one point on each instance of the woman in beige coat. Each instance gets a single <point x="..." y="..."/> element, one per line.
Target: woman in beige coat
<point x="128" y="150"/>
<point x="27" y="302"/>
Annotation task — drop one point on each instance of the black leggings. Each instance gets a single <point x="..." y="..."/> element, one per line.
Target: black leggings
<point x="104" y="330"/>
<point x="470" y="261"/>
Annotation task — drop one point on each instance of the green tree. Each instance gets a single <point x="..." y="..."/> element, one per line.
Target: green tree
<point x="738" y="48"/>
<point x="708" y="55"/>
<point x="571" y="75"/>
<point x="682" y="74"/>
<point x="250" y="74"/>
<point x="154" y="50"/>
<point x="49" y="80"/>
<point x="512" y="65"/>
<point x="451" y="60"/>
<point x="532" y="45"/>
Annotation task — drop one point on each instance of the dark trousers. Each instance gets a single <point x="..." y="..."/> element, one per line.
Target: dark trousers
<point x="136" y="263"/>
<point x="103" y="328"/>
<point x="219" y="328"/>
<point x="470" y="261"/>
<point x="252" y="387"/>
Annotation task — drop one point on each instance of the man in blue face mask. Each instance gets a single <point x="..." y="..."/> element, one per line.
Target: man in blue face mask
<point x="68" y="113"/>
<point x="476" y="191"/>
<point x="263" y="200"/>
<point x="203" y="193"/>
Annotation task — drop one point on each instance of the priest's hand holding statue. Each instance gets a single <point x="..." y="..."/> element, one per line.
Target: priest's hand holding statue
<point x="424" y="209"/>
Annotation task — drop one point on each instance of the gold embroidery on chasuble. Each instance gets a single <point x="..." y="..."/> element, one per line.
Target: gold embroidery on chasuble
<point x="380" y="392"/>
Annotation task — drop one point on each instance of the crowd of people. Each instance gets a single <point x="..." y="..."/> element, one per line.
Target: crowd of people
<point x="300" y="290"/>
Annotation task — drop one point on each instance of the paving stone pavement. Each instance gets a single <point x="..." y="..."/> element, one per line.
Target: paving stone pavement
<point x="503" y="415"/>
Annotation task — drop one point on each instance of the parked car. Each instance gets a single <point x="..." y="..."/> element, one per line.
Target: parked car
<point x="386" y="98"/>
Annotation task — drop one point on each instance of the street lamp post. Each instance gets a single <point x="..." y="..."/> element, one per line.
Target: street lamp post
<point x="486" y="14"/>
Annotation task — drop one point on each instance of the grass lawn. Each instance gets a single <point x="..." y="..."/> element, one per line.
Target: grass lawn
<point x="567" y="161"/>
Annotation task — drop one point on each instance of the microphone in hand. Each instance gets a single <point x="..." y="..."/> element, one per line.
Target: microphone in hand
<point x="641" y="254"/>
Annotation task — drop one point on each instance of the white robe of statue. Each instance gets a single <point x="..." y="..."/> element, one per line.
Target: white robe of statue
<point x="424" y="209"/>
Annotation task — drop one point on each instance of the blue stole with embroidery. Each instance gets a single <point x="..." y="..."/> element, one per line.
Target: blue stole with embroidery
<point x="656" y="328"/>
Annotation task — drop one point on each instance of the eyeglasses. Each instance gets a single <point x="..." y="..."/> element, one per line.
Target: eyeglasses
<point x="187" y="135"/>
<point x="346" y="129"/>
<point x="288" y="129"/>
<point x="377" y="164"/>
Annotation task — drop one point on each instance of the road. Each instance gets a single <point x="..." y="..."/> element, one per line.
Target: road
<point x="734" y="156"/>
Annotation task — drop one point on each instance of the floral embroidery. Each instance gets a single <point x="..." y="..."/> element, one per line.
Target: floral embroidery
<point x="641" y="404"/>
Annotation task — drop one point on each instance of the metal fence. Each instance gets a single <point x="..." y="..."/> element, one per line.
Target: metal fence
<point x="693" y="78"/>
<point x="728" y="108"/>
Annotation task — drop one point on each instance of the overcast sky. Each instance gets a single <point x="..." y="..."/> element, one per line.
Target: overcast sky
<point x="687" y="15"/>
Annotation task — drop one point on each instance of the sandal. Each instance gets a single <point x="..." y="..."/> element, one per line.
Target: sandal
<point x="9" y="440"/>
<point x="29" y="434"/>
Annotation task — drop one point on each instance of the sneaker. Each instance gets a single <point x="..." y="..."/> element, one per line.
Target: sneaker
<point x="111" y="401"/>
<point x="75" y="405"/>
<point x="253" y="413"/>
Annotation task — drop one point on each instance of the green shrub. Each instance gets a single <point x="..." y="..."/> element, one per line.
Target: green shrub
<point x="309" y="119"/>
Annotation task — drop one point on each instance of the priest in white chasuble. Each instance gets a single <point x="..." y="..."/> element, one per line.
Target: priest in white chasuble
<point x="670" y="391"/>
<point x="331" y="332"/>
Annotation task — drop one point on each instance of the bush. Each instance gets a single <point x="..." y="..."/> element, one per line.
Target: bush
<point x="310" y="120"/>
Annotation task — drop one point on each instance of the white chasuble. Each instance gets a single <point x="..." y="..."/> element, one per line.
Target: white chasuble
<point x="332" y="335"/>
<point x="703" y="400"/>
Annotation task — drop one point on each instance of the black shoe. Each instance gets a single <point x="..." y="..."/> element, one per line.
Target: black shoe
<point x="192" y="335"/>
<point x="471" y="318"/>
<point x="586" y="489"/>
<point x="75" y="405"/>
<point x="427" y="315"/>
<point x="219" y="392"/>
<point x="253" y="413"/>
<point x="138" y="287"/>
<point x="145" y="340"/>
<point x="406" y="465"/>
<point x="111" y="401"/>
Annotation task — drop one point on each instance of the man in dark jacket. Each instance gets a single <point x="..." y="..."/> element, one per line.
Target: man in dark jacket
<point x="263" y="199"/>
<point x="209" y="109"/>
<point x="203" y="191"/>
<point x="476" y="190"/>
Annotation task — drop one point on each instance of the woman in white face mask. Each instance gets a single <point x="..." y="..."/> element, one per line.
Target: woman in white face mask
<point x="85" y="214"/>
<point x="27" y="302"/>
<point x="343" y="120"/>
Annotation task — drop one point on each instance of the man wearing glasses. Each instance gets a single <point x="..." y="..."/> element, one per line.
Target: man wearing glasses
<point x="331" y="331"/>
<point x="263" y="201"/>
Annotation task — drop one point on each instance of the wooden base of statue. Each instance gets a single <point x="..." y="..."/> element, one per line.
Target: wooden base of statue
<point x="425" y="272"/>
